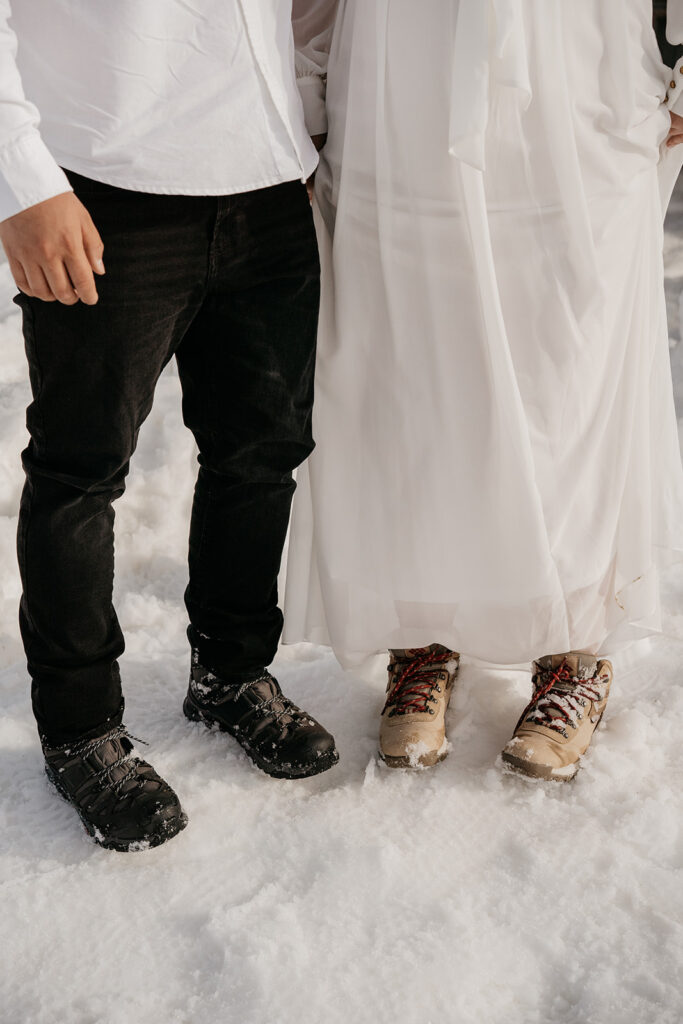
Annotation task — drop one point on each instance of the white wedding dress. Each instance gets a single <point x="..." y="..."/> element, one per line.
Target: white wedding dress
<point x="497" y="466"/>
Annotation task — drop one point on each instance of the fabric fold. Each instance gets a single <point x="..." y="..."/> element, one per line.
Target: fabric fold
<point x="489" y="45"/>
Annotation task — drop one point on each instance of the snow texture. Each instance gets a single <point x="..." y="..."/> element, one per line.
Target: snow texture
<point x="459" y="894"/>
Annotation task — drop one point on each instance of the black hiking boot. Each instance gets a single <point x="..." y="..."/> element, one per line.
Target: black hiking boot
<point x="122" y="802"/>
<point x="280" y="739"/>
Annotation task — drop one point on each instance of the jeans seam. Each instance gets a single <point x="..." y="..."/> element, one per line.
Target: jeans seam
<point x="32" y="358"/>
<point x="205" y="518"/>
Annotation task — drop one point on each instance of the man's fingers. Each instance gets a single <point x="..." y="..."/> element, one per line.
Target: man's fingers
<point x="37" y="281"/>
<point x="58" y="247"/>
<point x="81" y="275"/>
<point x="20" y="279"/>
<point x="675" y="136"/>
<point x="60" y="285"/>
<point x="92" y="243"/>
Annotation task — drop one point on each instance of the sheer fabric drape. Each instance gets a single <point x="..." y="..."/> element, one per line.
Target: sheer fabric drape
<point x="497" y="466"/>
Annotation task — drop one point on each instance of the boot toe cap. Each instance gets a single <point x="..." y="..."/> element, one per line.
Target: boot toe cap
<point x="155" y="817"/>
<point x="534" y="757"/>
<point x="315" y="744"/>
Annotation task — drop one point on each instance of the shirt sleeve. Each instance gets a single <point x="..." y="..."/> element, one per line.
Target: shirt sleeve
<point x="674" y="33"/>
<point x="313" y="21"/>
<point x="29" y="173"/>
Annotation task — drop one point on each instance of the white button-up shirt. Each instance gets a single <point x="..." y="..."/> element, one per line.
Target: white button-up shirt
<point x="191" y="97"/>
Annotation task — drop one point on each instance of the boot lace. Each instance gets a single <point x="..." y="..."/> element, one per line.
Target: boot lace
<point x="276" y="709"/>
<point x="414" y="687"/>
<point x="268" y="706"/>
<point x="87" y="747"/>
<point x="560" y="698"/>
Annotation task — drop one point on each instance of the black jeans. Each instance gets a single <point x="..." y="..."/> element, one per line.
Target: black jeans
<point x="230" y="286"/>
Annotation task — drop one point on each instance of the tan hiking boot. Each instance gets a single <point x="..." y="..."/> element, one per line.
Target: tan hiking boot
<point x="556" y="727"/>
<point x="413" y="730"/>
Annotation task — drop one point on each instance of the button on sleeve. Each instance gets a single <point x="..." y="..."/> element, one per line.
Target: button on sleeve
<point x="674" y="95"/>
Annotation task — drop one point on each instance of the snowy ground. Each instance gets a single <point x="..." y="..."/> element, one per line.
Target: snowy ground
<point x="459" y="895"/>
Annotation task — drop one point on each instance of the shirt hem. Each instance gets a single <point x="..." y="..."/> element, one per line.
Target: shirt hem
<point x="180" y="189"/>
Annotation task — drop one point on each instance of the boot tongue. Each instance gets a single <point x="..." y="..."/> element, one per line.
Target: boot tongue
<point x="108" y="754"/>
<point x="112" y="751"/>
<point x="582" y="666"/>
<point x="267" y="689"/>
<point x="408" y="653"/>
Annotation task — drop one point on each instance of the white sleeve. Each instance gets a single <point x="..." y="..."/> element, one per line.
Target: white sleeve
<point x="674" y="33"/>
<point x="28" y="172"/>
<point x="313" y="21"/>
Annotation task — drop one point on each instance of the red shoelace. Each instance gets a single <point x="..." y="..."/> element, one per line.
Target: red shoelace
<point x="413" y="689"/>
<point x="561" y="707"/>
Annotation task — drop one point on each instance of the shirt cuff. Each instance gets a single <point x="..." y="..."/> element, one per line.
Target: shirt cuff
<point x="312" y="91"/>
<point x="29" y="174"/>
<point x="674" y="95"/>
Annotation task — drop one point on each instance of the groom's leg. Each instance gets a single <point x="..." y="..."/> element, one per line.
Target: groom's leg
<point x="93" y="373"/>
<point x="247" y="366"/>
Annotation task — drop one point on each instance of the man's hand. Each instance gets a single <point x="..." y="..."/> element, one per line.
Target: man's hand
<point x="318" y="141"/>
<point x="53" y="249"/>
<point x="675" y="136"/>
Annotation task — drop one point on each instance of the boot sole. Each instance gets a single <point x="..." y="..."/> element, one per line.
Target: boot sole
<point x="427" y="761"/>
<point x="537" y="771"/>
<point x="317" y="767"/>
<point x="119" y="845"/>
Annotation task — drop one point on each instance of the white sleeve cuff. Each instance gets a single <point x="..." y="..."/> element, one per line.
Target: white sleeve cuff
<point x="674" y="95"/>
<point x="312" y="91"/>
<point x="29" y="174"/>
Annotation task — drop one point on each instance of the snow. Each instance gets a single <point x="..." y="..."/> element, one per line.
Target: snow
<point x="459" y="894"/>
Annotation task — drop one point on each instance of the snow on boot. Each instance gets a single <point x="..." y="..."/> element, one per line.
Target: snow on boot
<point x="555" y="729"/>
<point x="282" y="740"/>
<point x="122" y="802"/>
<point x="413" y="727"/>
